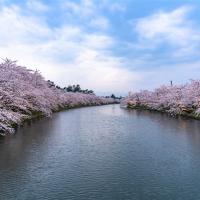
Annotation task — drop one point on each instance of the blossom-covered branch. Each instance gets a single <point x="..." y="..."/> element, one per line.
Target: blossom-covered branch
<point x="176" y="100"/>
<point x="24" y="93"/>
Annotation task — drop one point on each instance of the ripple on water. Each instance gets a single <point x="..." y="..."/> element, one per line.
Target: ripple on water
<point x="102" y="153"/>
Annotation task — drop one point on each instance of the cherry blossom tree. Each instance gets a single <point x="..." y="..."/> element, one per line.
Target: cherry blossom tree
<point x="174" y="99"/>
<point x="24" y="93"/>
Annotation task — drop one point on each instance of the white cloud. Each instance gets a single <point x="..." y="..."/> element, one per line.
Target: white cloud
<point x="113" y="5"/>
<point x="97" y="41"/>
<point x="117" y="7"/>
<point x="100" y="23"/>
<point x="179" y="73"/>
<point x="87" y="12"/>
<point x="84" y="8"/>
<point x="83" y="52"/>
<point x="71" y="6"/>
<point x="173" y="28"/>
<point x="66" y="54"/>
<point x="23" y="29"/>
<point x="37" y="5"/>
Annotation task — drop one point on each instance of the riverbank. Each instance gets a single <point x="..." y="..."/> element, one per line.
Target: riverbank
<point x="102" y="147"/>
<point x="176" y="100"/>
<point x="192" y="115"/>
<point x="38" y="115"/>
<point x="26" y="95"/>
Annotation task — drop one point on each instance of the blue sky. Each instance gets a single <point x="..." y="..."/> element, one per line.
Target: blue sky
<point x="106" y="45"/>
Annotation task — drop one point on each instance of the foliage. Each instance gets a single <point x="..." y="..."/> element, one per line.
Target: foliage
<point x="174" y="99"/>
<point x="24" y="92"/>
<point x="114" y="97"/>
<point x="77" y="88"/>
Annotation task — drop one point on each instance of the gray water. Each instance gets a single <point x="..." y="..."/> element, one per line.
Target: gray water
<point x="102" y="153"/>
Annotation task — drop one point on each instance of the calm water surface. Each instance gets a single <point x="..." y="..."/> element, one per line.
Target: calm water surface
<point x="102" y="153"/>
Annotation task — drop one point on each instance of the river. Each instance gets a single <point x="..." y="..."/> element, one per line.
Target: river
<point x="102" y="153"/>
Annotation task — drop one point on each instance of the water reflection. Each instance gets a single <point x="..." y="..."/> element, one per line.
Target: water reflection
<point x="187" y="127"/>
<point x="102" y="153"/>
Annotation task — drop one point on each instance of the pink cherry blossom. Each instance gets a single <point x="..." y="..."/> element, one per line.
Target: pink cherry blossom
<point x="24" y="92"/>
<point x="174" y="99"/>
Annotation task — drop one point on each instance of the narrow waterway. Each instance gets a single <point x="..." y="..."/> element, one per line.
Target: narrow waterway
<point x="103" y="152"/>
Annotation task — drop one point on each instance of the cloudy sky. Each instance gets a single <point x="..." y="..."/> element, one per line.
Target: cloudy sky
<point x="105" y="45"/>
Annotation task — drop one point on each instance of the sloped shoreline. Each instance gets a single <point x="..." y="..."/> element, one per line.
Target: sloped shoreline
<point x="25" y="95"/>
<point x="176" y="100"/>
<point x="40" y="115"/>
<point x="188" y="115"/>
